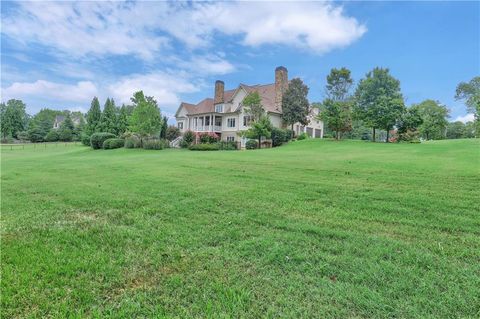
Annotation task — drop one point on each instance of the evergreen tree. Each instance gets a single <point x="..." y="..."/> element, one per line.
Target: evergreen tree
<point x="108" y="119"/>
<point x="295" y="105"/>
<point x="93" y="117"/>
<point x="122" y="120"/>
<point x="163" y="130"/>
<point x="65" y="132"/>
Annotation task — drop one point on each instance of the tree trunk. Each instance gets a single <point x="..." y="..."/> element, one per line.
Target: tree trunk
<point x="374" y="134"/>
<point x="260" y="142"/>
<point x="388" y="131"/>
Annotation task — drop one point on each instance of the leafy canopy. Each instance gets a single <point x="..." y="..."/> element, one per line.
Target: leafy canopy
<point x="146" y="119"/>
<point x="295" y="105"/>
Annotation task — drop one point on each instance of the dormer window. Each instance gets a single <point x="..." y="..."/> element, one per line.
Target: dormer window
<point x="219" y="108"/>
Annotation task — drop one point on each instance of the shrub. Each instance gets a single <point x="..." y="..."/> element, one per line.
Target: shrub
<point x="209" y="137"/>
<point x="153" y="144"/>
<point x="187" y="140"/>
<point x="97" y="139"/>
<point x="302" y="136"/>
<point x="133" y="142"/>
<point x="85" y="138"/>
<point x="278" y="136"/>
<point x="204" y="147"/>
<point x="51" y="136"/>
<point x="288" y="135"/>
<point x="251" y="145"/>
<point x="227" y="146"/>
<point x="113" y="143"/>
<point x="172" y="133"/>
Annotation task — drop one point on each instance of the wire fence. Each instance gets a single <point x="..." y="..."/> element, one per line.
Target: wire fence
<point x="36" y="146"/>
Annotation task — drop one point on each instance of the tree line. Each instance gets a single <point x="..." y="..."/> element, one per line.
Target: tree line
<point x="142" y="117"/>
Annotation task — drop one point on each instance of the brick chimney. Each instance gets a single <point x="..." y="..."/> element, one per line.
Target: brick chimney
<point x="219" y="89"/>
<point x="281" y="85"/>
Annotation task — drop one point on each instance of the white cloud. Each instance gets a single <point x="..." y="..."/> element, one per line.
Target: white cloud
<point x="82" y="91"/>
<point x="145" y="28"/>
<point x="163" y="86"/>
<point x="206" y="65"/>
<point x="466" y="118"/>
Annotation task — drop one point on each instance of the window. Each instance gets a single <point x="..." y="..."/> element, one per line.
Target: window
<point x="219" y="108"/>
<point x="180" y="125"/>
<point x="231" y="122"/>
<point x="230" y="138"/>
<point x="247" y="120"/>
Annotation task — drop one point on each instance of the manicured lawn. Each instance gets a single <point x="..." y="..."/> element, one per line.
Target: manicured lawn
<point x="312" y="229"/>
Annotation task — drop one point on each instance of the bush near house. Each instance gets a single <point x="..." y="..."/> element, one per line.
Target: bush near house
<point x="209" y="137"/>
<point x="251" y="145"/>
<point x="85" y="139"/>
<point x="204" y="147"/>
<point x="188" y="139"/>
<point x="302" y="136"/>
<point x="113" y="143"/>
<point x="278" y="136"/>
<point x="97" y="139"/>
<point x="227" y="146"/>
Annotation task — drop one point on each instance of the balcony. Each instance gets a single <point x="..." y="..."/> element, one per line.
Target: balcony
<point x="208" y="128"/>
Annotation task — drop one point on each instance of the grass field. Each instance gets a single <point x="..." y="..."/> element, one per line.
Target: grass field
<point x="311" y="229"/>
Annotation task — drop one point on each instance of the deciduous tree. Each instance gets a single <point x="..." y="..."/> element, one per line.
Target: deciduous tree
<point x="146" y="119"/>
<point x="434" y="116"/>
<point x="295" y="105"/>
<point x="378" y="100"/>
<point x="13" y="118"/>
<point x="252" y="104"/>
<point x="259" y="129"/>
<point x="470" y="93"/>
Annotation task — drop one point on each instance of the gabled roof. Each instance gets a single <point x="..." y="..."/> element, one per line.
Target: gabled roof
<point x="266" y="92"/>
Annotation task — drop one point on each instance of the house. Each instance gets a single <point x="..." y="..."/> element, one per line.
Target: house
<point x="60" y="118"/>
<point x="224" y="113"/>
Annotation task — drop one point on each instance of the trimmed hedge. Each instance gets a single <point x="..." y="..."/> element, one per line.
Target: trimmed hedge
<point x="302" y="136"/>
<point x="133" y="142"/>
<point x="227" y="146"/>
<point x="251" y="145"/>
<point x="97" y="139"/>
<point x="204" y="147"/>
<point x="278" y="136"/>
<point x="113" y="143"/>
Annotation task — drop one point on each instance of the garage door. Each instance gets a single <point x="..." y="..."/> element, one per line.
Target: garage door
<point x="310" y="131"/>
<point x="318" y="133"/>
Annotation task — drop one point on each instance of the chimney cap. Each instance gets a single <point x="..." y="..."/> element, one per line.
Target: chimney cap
<point x="219" y="81"/>
<point x="281" y="68"/>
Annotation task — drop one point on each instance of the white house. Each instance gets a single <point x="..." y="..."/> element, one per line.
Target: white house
<point x="224" y="114"/>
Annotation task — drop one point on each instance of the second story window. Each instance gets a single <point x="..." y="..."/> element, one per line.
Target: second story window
<point x="247" y="120"/>
<point x="219" y="108"/>
<point x="231" y="122"/>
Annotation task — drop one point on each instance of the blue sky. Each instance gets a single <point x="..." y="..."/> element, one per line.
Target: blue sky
<point x="60" y="54"/>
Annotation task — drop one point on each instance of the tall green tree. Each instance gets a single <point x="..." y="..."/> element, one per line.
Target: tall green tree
<point x="470" y="93"/>
<point x="295" y="105"/>
<point x="336" y="110"/>
<point x="13" y="118"/>
<point x="378" y="100"/>
<point x="93" y="117"/>
<point x="122" y="120"/>
<point x="259" y="129"/>
<point x="408" y="125"/>
<point x="146" y="119"/>
<point x="434" y="116"/>
<point x="252" y="104"/>
<point x="108" y="119"/>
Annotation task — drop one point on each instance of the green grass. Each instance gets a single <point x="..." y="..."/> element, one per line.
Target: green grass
<point x="312" y="229"/>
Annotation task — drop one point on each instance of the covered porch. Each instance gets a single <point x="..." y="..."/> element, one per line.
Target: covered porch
<point x="206" y="123"/>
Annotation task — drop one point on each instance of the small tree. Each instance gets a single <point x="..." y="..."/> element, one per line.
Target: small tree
<point x="188" y="138"/>
<point x="252" y="104"/>
<point x="36" y="134"/>
<point x="408" y="125"/>
<point x="455" y="130"/>
<point x="163" y="130"/>
<point x="336" y="110"/>
<point x="295" y="105"/>
<point x="259" y="129"/>
<point x="13" y="118"/>
<point x="52" y="136"/>
<point x="122" y="120"/>
<point x="172" y="133"/>
<point x="146" y="119"/>
<point x="108" y="119"/>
